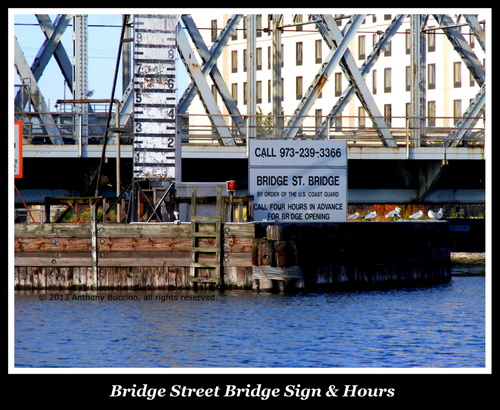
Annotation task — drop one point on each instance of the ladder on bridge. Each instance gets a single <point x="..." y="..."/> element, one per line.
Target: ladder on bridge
<point x="206" y="239"/>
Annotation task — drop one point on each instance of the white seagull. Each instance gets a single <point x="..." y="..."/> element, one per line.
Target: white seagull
<point x="394" y="213"/>
<point x="371" y="215"/>
<point x="177" y="220"/>
<point x="416" y="215"/>
<point x="354" y="216"/>
<point x="435" y="215"/>
<point x="89" y="93"/>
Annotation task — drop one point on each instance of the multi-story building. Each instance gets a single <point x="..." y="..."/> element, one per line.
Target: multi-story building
<point x="450" y="87"/>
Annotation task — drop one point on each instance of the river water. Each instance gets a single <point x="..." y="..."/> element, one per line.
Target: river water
<point x="433" y="327"/>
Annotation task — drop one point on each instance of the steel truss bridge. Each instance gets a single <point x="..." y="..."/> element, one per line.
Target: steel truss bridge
<point x="415" y="161"/>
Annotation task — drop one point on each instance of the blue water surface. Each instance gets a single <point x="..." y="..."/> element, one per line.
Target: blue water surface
<point x="435" y="327"/>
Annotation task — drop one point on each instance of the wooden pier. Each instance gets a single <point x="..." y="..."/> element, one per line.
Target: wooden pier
<point x="259" y="256"/>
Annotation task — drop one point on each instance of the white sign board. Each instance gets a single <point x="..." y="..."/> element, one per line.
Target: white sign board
<point x="298" y="180"/>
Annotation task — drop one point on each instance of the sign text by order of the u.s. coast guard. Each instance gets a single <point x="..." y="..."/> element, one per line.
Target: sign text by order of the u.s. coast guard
<point x="298" y="180"/>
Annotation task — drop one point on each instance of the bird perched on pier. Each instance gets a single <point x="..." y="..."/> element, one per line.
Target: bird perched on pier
<point x="435" y="215"/>
<point x="394" y="213"/>
<point x="416" y="215"/>
<point x="371" y="215"/>
<point x="355" y="215"/>
<point x="177" y="220"/>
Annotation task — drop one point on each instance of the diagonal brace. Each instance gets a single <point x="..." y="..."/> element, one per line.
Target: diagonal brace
<point x="209" y="58"/>
<point x="333" y="36"/>
<point x="319" y="81"/>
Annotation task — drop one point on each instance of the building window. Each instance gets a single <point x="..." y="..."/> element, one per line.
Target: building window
<point x="234" y="61"/>
<point x="361" y="117"/>
<point x="387" y="80"/>
<point x="258" y="25"/>
<point x="245" y="93"/>
<point x="234" y="92"/>
<point x="457" y="110"/>
<point x="408" y="78"/>
<point x="431" y="113"/>
<point x="269" y="91"/>
<point x="431" y="41"/>
<point x="297" y="20"/>
<point x="234" y="34"/>
<point x="213" y="30"/>
<point x="318" y="118"/>
<point x="374" y="82"/>
<point x="431" y="76"/>
<point x="457" y="74"/>
<point x="258" y="60"/>
<point x="298" y="53"/>
<point x="298" y="88"/>
<point x="245" y="61"/>
<point x="387" y="16"/>
<point x="258" y="92"/>
<point x="338" y="84"/>
<point x="269" y="22"/>
<point x="269" y="58"/>
<point x="407" y="41"/>
<point x="388" y="49"/>
<point x="388" y="114"/>
<point x="215" y="94"/>
<point x="361" y="48"/>
<point x="318" y="51"/>
<point x="472" y="81"/>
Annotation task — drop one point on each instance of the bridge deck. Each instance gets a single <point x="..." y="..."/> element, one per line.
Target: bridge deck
<point x="197" y="150"/>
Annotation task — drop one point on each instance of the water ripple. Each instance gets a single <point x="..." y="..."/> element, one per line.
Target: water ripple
<point x="442" y="326"/>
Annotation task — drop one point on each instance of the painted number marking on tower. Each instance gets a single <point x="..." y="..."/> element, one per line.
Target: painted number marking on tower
<point x="155" y="146"/>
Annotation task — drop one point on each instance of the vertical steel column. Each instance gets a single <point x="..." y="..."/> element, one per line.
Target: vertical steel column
<point x="418" y="86"/>
<point x="127" y="59"/>
<point x="251" y="77"/>
<point x="80" y="69"/>
<point x="276" y="74"/>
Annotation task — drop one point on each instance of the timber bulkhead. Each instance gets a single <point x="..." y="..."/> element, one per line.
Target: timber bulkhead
<point x="259" y="256"/>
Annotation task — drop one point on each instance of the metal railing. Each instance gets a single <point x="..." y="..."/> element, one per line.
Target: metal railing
<point x="199" y="129"/>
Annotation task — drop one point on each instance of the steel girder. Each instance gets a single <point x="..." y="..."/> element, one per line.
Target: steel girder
<point x="332" y="36"/>
<point x="201" y="85"/>
<point x="478" y="32"/>
<point x="331" y="61"/>
<point x="418" y="77"/>
<point x="52" y="46"/>
<point x="209" y="58"/>
<point x="476" y="68"/>
<point x="461" y="46"/>
<point x="276" y="75"/>
<point x="251" y="65"/>
<point x="36" y="96"/>
<point x="470" y="118"/>
<point x="365" y="68"/>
